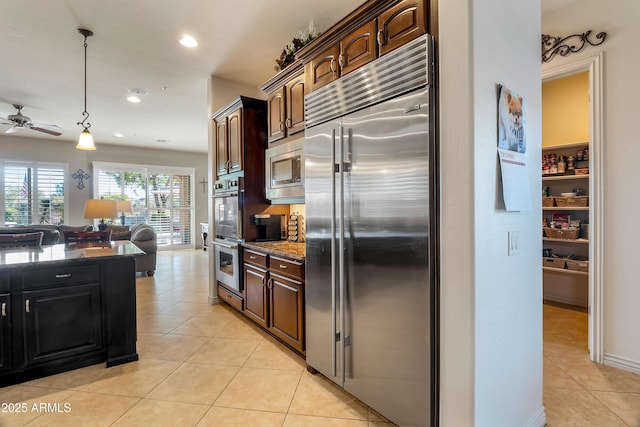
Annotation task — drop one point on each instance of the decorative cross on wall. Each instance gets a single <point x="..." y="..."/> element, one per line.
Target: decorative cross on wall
<point x="80" y="175"/>
<point x="204" y="185"/>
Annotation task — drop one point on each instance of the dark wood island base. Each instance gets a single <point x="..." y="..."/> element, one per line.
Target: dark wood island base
<point x="66" y="309"/>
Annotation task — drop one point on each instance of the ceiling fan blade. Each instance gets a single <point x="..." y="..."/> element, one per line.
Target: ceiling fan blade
<point x="50" y="129"/>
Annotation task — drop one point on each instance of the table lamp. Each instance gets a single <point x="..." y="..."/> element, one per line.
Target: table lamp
<point x="123" y="206"/>
<point x="100" y="209"/>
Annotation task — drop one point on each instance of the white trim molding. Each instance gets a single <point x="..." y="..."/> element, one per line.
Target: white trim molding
<point x="594" y="65"/>
<point x="622" y="363"/>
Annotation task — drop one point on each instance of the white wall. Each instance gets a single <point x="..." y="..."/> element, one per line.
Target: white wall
<point x="621" y="151"/>
<point x="34" y="149"/>
<point x="491" y="320"/>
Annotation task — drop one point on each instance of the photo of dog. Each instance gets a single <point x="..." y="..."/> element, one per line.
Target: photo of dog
<point x="510" y="121"/>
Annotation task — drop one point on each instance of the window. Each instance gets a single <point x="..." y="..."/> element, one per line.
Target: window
<point x="33" y="193"/>
<point x="161" y="196"/>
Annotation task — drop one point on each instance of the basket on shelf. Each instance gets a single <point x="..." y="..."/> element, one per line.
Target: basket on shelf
<point x="572" y="202"/>
<point x="547" y="202"/>
<point x="557" y="233"/>
<point x="578" y="264"/>
<point x="554" y="262"/>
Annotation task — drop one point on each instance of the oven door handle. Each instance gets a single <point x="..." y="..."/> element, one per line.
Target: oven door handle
<point x="225" y="245"/>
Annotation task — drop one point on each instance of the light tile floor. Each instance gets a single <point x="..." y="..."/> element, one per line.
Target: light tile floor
<point x="205" y="365"/>
<point x="578" y="392"/>
<point x="200" y="365"/>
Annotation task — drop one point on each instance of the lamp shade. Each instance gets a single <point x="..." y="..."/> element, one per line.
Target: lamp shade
<point x="124" y="206"/>
<point x="99" y="208"/>
<point x="85" y="141"/>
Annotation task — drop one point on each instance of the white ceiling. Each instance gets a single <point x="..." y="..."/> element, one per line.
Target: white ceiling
<point x="136" y="46"/>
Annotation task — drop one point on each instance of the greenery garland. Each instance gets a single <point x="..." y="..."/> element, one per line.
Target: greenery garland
<point x="301" y="39"/>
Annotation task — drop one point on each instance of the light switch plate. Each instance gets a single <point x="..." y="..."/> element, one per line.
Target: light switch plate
<point x="513" y="239"/>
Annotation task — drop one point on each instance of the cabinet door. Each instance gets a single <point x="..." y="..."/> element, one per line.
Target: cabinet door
<point x="255" y="294"/>
<point x="222" y="154"/>
<point x="287" y="310"/>
<point x="276" y="117"/>
<point x="401" y="24"/>
<point x="358" y="48"/>
<point x="324" y="67"/>
<point x="61" y="322"/>
<point x="296" y="89"/>
<point x="5" y="332"/>
<point x="235" y="140"/>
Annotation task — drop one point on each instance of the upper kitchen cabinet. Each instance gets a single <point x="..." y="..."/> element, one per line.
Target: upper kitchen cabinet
<point x="370" y="31"/>
<point x="285" y="101"/>
<point x="402" y="23"/>
<point x="354" y="50"/>
<point x="240" y="134"/>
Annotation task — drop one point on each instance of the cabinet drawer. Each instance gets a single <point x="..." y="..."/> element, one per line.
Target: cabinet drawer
<point x="4" y="281"/>
<point x="64" y="275"/>
<point x="287" y="267"/>
<point x="230" y="298"/>
<point x="253" y="257"/>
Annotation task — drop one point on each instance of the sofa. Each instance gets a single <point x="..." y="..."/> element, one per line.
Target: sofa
<point x="141" y="235"/>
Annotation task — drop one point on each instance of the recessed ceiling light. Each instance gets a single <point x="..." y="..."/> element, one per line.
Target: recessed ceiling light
<point x="188" y="41"/>
<point x="118" y="135"/>
<point x="133" y="99"/>
<point x="162" y="140"/>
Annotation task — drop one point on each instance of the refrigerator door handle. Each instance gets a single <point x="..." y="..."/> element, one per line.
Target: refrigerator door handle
<point x="335" y="334"/>
<point x="341" y="252"/>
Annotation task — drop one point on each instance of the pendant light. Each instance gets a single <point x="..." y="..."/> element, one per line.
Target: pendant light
<point x="85" y="141"/>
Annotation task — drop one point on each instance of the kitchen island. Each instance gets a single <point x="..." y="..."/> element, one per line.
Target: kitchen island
<point x="63" y="309"/>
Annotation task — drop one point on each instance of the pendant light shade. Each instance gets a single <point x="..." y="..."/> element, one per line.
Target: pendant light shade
<point x="85" y="141"/>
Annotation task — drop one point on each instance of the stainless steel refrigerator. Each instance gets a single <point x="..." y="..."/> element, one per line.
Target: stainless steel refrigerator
<point x="370" y="192"/>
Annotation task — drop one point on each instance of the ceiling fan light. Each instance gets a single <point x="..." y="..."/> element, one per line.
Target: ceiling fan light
<point x="85" y="141"/>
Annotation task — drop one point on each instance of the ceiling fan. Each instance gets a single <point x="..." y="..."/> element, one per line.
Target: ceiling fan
<point x="19" y="121"/>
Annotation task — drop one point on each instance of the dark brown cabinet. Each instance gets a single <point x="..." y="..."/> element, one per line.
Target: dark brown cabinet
<point x="285" y="103"/>
<point x="229" y="143"/>
<point x="372" y="30"/>
<point x="240" y="135"/>
<point x="353" y="51"/>
<point x="400" y="24"/>
<point x="256" y="294"/>
<point x="274" y="295"/>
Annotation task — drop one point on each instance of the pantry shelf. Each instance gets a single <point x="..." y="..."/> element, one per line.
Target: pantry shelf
<point x="564" y="177"/>
<point x="565" y="271"/>
<point x="576" y="208"/>
<point x="548" y="239"/>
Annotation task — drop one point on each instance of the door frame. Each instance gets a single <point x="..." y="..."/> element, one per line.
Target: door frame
<point x="594" y="66"/>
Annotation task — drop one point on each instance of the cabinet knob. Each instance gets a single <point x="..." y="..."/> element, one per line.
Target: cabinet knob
<point x="341" y="60"/>
<point x="332" y="65"/>
<point x="27" y="306"/>
<point x="289" y="122"/>
<point x="283" y="266"/>
<point x="380" y="37"/>
<point x="281" y="126"/>
<point x="4" y="309"/>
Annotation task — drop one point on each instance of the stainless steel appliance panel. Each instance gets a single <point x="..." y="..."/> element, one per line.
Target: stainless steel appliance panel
<point x="227" y="263"/>
<point x="227" y="215"/>
<point x="284" y="173"/>
<point x="386" y="244"/>
<point x="320" y="288"/>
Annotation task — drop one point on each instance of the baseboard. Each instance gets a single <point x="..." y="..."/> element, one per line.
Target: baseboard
<point x="539" y="420"/>
<point x="565" y="300"/>
<point x="622" y="363"/>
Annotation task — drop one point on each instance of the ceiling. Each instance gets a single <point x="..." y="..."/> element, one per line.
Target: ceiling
<point x="136" y="46"/>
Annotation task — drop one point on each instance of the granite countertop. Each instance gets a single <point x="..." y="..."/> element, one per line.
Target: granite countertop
<point x="285" y="248"/>
<point x="60" y="253"/>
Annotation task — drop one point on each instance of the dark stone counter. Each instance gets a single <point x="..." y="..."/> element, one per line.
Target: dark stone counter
<point x="283" y="248"/>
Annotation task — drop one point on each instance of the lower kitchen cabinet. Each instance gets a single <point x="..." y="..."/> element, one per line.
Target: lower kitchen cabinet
<point x="287" y="310"/>
<point x="5" y="333"/>
<point x="62" y="322"/>
<point x="256" y="295"/>
<point x="274" y="295"/>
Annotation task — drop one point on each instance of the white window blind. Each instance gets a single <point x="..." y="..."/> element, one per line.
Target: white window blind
<point x="32" y="193"/>
<point x="161" y="197"/>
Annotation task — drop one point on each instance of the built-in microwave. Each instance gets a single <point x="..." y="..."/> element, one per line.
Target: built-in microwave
<point x="284" y="171"/>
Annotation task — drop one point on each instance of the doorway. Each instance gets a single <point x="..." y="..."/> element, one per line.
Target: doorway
<point x="594" y="277"/>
